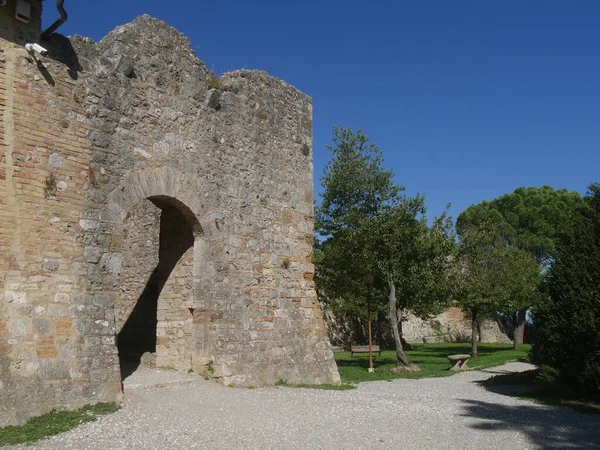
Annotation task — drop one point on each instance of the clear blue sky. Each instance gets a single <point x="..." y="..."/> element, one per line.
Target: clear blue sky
<point x="468" y="100"/>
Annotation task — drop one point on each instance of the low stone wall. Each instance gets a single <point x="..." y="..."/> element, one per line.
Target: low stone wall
<point x="449" y="326"/>
<point x="452" y="325"/>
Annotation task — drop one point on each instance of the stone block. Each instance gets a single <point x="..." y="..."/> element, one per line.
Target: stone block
<point x="89" y="224"/>
<point x="46" y="351"/>
<point x="63" y="327"/>
<point x="62" y="297"/>
<point x="56" y="160"/>
<point x="110" y="263"/>
<point x="53" y="369"/>
<point x="92" y="254"/>
<point x="15" y="297"/>
<point x="50" y="265"/>
<point x="42" y="327"/>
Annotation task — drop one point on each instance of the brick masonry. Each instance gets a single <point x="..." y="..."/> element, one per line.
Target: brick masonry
<point x="127" y="173"/>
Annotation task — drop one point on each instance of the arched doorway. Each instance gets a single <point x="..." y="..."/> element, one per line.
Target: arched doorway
<point x="154" y="310"/>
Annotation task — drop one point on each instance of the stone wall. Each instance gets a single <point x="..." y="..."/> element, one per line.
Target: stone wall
<point x="451" y="325"/>
<point x="111" y="149"/>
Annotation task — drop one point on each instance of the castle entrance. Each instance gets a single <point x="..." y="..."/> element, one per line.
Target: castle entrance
<point x="154" y="310"/>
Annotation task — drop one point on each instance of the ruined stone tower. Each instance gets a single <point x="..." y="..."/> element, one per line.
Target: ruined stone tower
<point x="147" y="206"/>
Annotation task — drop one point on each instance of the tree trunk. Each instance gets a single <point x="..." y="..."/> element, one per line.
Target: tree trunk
<point x="519" y="329"/>
<point x="474" y="333"/>
<point x="401" y="357"/>
<point x="399" y="319"/>
<point x="402" y="341"/>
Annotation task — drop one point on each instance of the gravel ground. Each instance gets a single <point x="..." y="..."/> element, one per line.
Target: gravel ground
<point x="435" y="413"/>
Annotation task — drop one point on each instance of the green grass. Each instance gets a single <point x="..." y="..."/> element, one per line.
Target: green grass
<point x="541" y="392"/>
<point x="53" y="423"/>
<point x="324" y="387"/>
<point x="431" y="358"/>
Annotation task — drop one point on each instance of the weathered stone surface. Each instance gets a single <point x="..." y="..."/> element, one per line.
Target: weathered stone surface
<point x="126" y="179"/>
<point x="450" y="326"/>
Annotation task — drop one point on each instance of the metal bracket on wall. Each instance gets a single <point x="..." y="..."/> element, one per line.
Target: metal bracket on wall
<point x="23" y="11"/>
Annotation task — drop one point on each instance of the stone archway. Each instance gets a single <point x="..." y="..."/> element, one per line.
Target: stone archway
<point x="162" y="297"/>
<point x="154" y="312"/>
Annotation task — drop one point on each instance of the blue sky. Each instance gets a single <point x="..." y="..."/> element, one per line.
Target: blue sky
<point x="468" y="100"/>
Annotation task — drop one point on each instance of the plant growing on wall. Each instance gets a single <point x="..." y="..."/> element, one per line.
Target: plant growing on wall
<point x="50" y="186"/>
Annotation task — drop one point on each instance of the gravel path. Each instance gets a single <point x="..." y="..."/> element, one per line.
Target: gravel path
<point x="435" y="413"/>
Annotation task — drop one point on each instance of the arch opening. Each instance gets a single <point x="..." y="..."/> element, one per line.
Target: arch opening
<point x="153" y="314"/>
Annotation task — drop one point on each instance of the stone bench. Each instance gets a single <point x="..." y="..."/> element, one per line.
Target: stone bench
<point x="364" y="349"/>
<point x="459" y="362"/>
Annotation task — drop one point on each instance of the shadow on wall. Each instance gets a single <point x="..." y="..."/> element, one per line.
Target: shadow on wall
<point x="138" y="334"/>
<point x="346" y="330"/>
<point x="547" y="426"/>
<point x="61" y="49"/>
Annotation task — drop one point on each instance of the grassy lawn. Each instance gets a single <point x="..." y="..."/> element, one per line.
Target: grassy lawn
<point x="540" y="392"/>
<point x="431" y="358"/>
<point x="53" y="423"/>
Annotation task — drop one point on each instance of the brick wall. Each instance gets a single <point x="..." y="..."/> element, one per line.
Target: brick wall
<point x="44" y="171"/>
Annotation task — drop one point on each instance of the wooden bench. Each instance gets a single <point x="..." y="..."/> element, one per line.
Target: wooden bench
<point x="364" y="349"/>
<point x="459" y="362"/>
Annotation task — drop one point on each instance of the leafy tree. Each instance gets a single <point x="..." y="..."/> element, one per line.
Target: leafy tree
<point x="567" y="321"/>
<point x="491" y="274"/>
<point x="528" y="218"/>
<point x="417" y="261"/>
<point x="368" y="226"/>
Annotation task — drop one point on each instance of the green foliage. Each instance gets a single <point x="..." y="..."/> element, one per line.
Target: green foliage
<point x="53" y="423"/>
<point x="547" y="375"/>
<point x="356" y="187"/>
<point x="541" y="389"/>
<point x="528" y="217"/>
<point x="527" y="377"/>
<point x="368" y="226"/>
<point x="493" y="275"/>
<point x="431" y="359"/>
<point x="567" y="320"/>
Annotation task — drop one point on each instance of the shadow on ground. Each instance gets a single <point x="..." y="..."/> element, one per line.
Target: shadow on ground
<point x="499" y="371"/>
<point x="441" y="350"/>
<point x="549" y="427"/>
<point x="363" y="362"/>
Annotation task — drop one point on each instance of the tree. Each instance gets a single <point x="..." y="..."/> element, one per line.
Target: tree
<point x="527" y="218"/>
<point x="492" y="274"/>
<point x="417" y="261"/>
<point x="567" y="320"/>
<point x="368" y="226"/>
